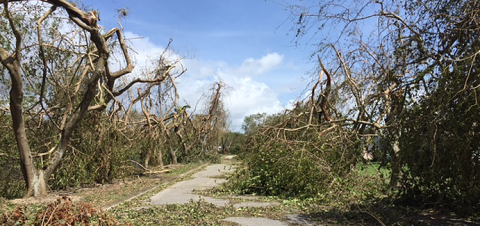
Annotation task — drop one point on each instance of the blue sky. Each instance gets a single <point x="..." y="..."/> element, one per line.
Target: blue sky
<point x="246" y="43"/>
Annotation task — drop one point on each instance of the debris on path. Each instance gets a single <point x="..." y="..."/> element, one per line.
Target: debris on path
<point x="183" y="192"/>
<point x="254" y="221"/>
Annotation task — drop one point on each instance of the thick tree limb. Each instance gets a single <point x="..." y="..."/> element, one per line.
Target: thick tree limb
<point x="323" y="103"/>
<point x="42" y="54"/>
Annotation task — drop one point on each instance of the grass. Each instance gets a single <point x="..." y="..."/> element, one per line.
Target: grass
<point x="372" y="169"/>
<point x="107" y="195"/>
<point x="138" y="211"/>
<point x="192" y="213"/>
<point x="184" y="169"/>
<point x="104" y="195"/>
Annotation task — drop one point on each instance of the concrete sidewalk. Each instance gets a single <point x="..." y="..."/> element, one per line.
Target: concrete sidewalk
<point x="182" y="192"/>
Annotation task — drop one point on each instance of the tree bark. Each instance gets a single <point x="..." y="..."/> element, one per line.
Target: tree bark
<point x="16" y="99"/>
<point x="39" y="184"/>
<point x="12" y="63"/>
<point x="173" y="156"/>
<point x="159" y="154"/>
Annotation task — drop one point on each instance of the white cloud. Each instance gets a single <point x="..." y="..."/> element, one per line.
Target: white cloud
<point x="260" y="66"/>
<point x="245" y="95"/>
<point x="145" y="52"/>
<point x="248" y="97"/>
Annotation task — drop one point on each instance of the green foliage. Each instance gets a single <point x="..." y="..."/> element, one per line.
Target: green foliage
<point x="193" y="213"/>
<point x="103" y="150"/>
<point x="252" y="122"/>
<point x="304" y="163"/>
<point x="101" y="153"/>
<point x="237" y="142"/>
<point x="440" y="150"/>
<point x="439" y="132"/>
<point x="11" y="179"/>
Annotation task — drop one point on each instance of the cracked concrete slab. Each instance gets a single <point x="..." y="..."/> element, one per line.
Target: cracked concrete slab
<point x="254" y="204"/>
<point x="300" y="219"/>
<point x="182" y="192"/>
<point x="254" y="221"/>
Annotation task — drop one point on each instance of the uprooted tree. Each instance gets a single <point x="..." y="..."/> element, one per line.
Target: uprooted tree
<point x="415" y="83"/>
<point x="407" y="85"/>
<point x="64" y="69"/>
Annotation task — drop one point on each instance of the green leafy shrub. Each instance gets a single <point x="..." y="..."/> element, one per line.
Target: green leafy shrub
<point x="310" y="162"/>
<point x="440" y="154"/>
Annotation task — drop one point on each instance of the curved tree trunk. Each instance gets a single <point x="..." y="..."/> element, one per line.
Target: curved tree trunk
<point x="12" y="63"/>
<point x="36" y="179"/>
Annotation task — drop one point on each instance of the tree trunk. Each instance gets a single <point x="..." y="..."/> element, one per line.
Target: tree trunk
<point x="35" y="180"/>
<point x="146" y="162"/>
<point x="395" y="164"/>
<point x="16" y="98"/>
<point x="173" y="156"/>
<point x="39" y="183"/>
<point x="159" y="155"/>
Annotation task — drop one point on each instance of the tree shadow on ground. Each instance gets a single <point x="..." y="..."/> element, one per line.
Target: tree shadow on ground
<point x="390" y="213"/>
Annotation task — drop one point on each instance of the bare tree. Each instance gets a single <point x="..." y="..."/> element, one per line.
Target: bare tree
<point x="214" y="122"/>
<point x="160" y="109"/>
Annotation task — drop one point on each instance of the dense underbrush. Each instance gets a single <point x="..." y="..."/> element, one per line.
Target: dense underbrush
<point x="101" y="151"/>
<point x="309" y="164"/>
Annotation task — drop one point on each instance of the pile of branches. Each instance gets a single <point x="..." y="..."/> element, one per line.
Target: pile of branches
<point x="61" y="212"/>
<point x="305" y="152"/>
